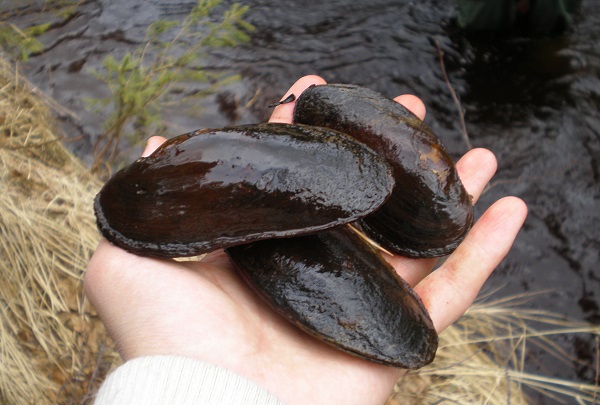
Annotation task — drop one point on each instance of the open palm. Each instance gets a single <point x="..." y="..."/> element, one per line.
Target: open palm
<point x="204" y="310"/>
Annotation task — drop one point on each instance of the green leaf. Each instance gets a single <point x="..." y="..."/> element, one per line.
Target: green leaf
<point x="37" y="30"/>
<point x="159" y="27"/>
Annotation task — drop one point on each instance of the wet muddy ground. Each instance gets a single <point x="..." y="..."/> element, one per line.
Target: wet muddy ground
<point x="533" y="101"/>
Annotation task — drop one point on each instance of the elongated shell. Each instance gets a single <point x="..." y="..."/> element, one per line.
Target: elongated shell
<point x="221" y="187"/>
<point x="338" y="289"/>
<point x="429" y="212"/>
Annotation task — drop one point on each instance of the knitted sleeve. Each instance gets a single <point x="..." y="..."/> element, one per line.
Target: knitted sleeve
<point x="179" y="380"/>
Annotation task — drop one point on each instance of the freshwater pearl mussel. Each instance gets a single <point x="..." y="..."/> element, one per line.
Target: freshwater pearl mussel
<point x="216" y="188"/>
<point x="429" y="212"/>
<point x="278" y="197"/>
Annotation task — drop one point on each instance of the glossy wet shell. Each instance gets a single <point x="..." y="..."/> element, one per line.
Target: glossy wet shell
<point x="429" y="212"/>
<point x="216" y="188"/>
<point x="338" y="289"/>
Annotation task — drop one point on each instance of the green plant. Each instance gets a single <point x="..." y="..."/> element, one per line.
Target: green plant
<point x="142" y="81"/>
<point x="20" y="43"/>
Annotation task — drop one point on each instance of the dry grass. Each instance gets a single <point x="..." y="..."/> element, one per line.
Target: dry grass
<point x="481" y="359"/>
<point x="51" y="345"/>
<point x="53" y="349"/>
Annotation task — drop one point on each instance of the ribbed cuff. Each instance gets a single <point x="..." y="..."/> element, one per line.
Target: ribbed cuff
<point x="179" y="380"/>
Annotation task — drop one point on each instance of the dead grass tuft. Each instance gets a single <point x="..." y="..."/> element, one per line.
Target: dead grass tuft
<point x="482" y="357"/>
<point x="52" y="346"/>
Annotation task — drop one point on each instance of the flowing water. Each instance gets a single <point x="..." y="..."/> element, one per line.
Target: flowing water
<point x="533" y="101"/>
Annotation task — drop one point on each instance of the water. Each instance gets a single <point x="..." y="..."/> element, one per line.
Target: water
<point x="533" y="101"/>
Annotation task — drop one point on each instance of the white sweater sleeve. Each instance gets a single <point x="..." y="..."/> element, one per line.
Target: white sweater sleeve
<point x="181" y="381"/>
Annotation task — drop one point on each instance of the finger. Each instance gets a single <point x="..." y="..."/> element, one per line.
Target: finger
<point x="285" y="112"/>
<point x="413" y="103"/>
<point x="448" y="292"/>
<point x="475" y="169"/>
<point x="151" y="144"/>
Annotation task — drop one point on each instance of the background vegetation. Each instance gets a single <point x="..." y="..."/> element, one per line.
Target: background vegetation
<point x="165" y="70"/>
<point x="144" y="80"/>
<point x="21" y="42"/>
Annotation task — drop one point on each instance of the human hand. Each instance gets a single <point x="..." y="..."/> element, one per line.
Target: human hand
<point x="204" y="310"/>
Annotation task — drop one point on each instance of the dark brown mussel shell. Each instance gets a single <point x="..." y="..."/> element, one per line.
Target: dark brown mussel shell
<point x="222" y="187"/>
<point x="337" y="288"/>
<point x="429" y="212"/>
